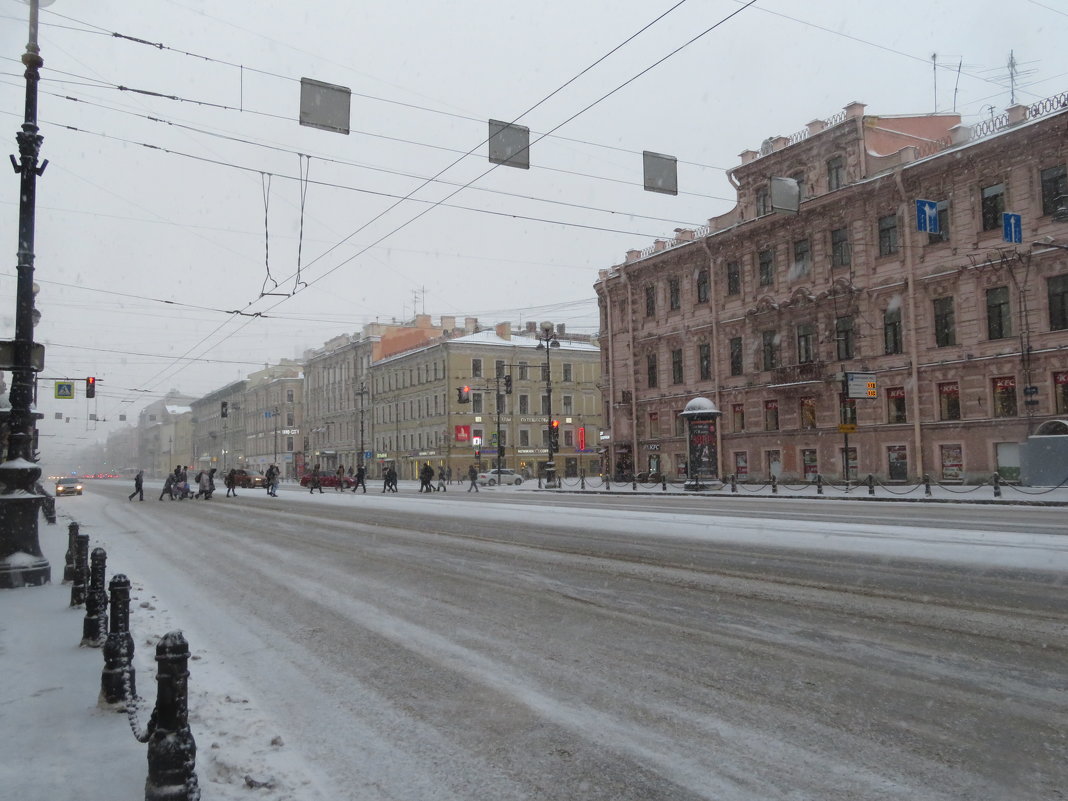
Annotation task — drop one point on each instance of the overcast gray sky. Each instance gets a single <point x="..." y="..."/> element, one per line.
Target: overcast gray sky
<point x="144" y="253"/>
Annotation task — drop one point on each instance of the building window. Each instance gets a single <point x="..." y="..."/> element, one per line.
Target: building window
<point x="289" y="396"/>
<point x="736" y="356"/>
<point x="892" y="341"/>
<point x="845" y="337"/>
<point x="476" y="403"/>
<point x="888" y="235"/>
<point x="476" y="368"/>
<point x="1060" y="391"/>
<point x="674" y="298"/>
<point x="841" y="253"/>
<point x="524" y="404"/>
<point x="738" y="417"/>
<point x="847" y="410"/>
<point x="524" y="438"/>
<point x="998" y="318"/>
<point x="676" y="366"/>
<point x="703" y="286"/>
<point x="569" y="438"/>
<point x="650" y="301"/>
<point x="1004" y="396"/>
<point x="498" y="367"/>
<point x="763" y="201"/>
<point x="802" y="254"/>
<point x="734" y="278"/>
<point x="769" y="344"/>
<point x="895" y="405"/>
<point x="1054" y="185"/>
<point x="806" y="339"/>
<point x="568" y="371"/>
<point x="704" y="361"/>
<point x="291" y="419"/>
<point x="680" y="424"/>
<point x="767" y="267"/>
<point x="942" y="211"/>
<point x="993" y="198"/>
<point x="949" y="401"/>
<point x="1057" y="291"/>
<point x="650" y="368"/>
<point x="523" y="374"/>
<point x="808" y="413"/>
<point x="835" y="173"/>
<point x="289" y="443"/>
<point x="945" y="325"/>
<point x="771" y="415"/>
<point x="544" y="405"/>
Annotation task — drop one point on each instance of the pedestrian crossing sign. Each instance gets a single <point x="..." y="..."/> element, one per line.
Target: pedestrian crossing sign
<point x="65" y="390"/>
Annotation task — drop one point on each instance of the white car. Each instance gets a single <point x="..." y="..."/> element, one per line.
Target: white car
<point x="500" y="476"/>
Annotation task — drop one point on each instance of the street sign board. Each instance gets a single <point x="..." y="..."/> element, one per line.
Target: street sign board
<point x="847" y="428"/>
<point x="65" y="390"/>
<point x="476" y="442"/>
<point x="861" y="385"/>
<point x="927" y="216"/>
<point x="1012" y="227"/>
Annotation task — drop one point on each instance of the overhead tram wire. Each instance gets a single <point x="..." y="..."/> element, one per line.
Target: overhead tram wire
<point x="421" y="214"/>
<point x="387" y="171"/>
<point x="414" y="106"/>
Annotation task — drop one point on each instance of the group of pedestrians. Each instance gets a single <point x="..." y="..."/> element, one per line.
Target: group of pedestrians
<point x="357" y="478"/>
<point x="426" y="479"/>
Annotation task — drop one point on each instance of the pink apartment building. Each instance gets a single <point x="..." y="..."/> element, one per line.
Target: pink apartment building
<point x="764" y="313"/>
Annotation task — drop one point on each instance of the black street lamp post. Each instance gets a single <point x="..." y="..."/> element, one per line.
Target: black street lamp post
<point x="18" y="474"/>
<point x="547" y="340"/>
<point x="362" y="392"/>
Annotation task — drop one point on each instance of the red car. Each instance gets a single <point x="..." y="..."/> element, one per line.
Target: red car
<point x="328" y="480"/>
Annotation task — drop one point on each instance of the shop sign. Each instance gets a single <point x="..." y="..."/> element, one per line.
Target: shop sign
<point x="463" y="433"/>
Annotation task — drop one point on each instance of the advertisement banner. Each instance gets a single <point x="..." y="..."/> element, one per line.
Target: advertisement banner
<point x="703" y="449"/>
<point x="463" y="433"/>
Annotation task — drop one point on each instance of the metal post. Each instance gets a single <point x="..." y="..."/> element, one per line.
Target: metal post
<point x="81" y="569"/>
<point x="68" y="567"/>
<point x="95" y="623"/>
<point x="774" y="485"/>
<point x="871" y="484"/>
<point x="997" y="485"/>
<point x="926" y="485"/>
<point x="819" y="483"/>
<point x="172" y="751"/>
<point x="118" y="680"/>
<point x="734" y="482"/>
<point x="547" y="340"/>
<point x="18" y="474"/>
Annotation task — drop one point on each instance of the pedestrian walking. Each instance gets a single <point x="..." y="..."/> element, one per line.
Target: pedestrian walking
<point x="426" y="474"/>
<point x="272" y="481"/>
<point x="168" y="486"/>
<point x="441" y="480"/>
<point x="361" y="479"/>
<point x="472" y="476"/>
<point x="203" y="485"/>
<point x="211" y="482"/>
<point x="139" y="485"/>
<point x="231" y="483"/>
<point x="316" y="482"/>
<point x="340" y="486"/>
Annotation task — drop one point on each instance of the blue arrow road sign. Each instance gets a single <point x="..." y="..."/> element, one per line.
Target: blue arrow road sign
<point x="1011" y="227"/>
<point x="927" y="216"/>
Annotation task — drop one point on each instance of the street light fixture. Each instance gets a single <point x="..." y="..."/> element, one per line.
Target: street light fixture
<point x="18" y="474"/>
<point x="547" y="340"/>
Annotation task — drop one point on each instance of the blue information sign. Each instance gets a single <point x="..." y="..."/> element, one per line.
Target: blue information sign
<point x="927" y="216"/>
<point x="1011" y="227"/>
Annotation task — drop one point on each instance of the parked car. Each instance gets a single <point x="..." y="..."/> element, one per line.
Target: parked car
<point x="69" y="486"/>
<point x="249" y="479"/>
<point x="328" y="480"/>
<point x="500" y="476"/>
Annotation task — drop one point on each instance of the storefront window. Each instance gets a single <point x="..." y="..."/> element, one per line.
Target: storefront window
<point x="1005" y="396"/>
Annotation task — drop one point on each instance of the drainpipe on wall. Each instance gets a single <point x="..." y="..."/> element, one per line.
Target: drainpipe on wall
<point x="718" y="391"/>
<point x="914" y="346"/>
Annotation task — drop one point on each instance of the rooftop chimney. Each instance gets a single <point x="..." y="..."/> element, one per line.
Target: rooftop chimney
<point x="503" y="330"/>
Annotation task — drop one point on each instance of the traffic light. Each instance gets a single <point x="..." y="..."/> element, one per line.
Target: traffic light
<point x="224" y="409"/>
<point x="463" y="394"/>
<point x="554" y="435"/>
<point x="500" y="451"/>
<point x="507" y="385"/>
<point x="90" y="387"/>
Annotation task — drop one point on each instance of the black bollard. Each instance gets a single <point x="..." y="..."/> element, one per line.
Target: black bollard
<point x="734" y="483"/>
<point x="117" y="682"/>
<point x="997" y="485"/>
<point x="582" y="480"/>
<point x="927" y="485"/>
<point x="663" y="483"/>
<point x="95" y="624"/>
<point x="607" y="483"/>
<point x="774" y="485"/>
<point x="172" y="751"/>
<point x="68" y="568"/>
<point x="81" y="569"/>
<point x="634" y="483"/>
<point x="871" y="484"/>
<point x="819" y="483"/>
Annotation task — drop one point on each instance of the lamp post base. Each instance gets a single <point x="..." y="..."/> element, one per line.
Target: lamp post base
<point x="22" y="563"/>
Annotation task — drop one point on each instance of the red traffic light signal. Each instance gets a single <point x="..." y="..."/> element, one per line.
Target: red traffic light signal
<point x="463" y="394"/>
<point x="90" y="387"/>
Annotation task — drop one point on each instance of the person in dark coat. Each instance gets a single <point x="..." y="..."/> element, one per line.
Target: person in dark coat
<point x="316" y="482"/>
<point x="231" y="483"/>
<point x="139" y="485"/>
<point x="472" y="476"/>
<point x="168" y="486"/>
<point x="361" y="479"/>
<point x="340" y="486"/>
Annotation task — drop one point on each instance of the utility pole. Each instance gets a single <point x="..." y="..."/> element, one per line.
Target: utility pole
<point x="19" y="499"/>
